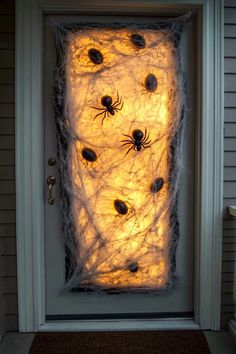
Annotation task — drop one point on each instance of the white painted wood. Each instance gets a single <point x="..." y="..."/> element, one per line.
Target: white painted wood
<point x="230" y="189"/>
<point x="230" y="47"/>
<point x="232" y="210"/>
<point x="121" y="325"/>
<point x="230" y="113"/>
<point x="230" y="99"/>
<point x="29" y="150"/>
<point x="230" y="65"/>
<point x="211" y="162"/>
<point x="230" y="145"/>
<point x="230" y="157"/>
<point x="230" y="130"/>
<point x="230" y="3"/>
<point x="230" y="82"/>
<point x="226" y="202"/>
<point x="230" y="31"/>
<point x="230" y="15"/>
<point x="29" y="168"/>
<point x="117" y="6"/>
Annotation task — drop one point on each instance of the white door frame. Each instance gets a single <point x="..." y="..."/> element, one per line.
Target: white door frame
<point x="30" y="160"/>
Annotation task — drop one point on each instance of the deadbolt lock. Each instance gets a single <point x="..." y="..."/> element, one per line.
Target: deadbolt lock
<point x="51" y="181"/>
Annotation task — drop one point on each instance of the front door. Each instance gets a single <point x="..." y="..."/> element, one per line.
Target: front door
<point x="175" y="302"/>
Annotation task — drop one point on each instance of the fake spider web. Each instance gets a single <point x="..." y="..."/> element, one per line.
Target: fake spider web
<point x="118" y="197"/>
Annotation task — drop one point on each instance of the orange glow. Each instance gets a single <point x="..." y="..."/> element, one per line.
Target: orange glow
<point x="142" y="236"/>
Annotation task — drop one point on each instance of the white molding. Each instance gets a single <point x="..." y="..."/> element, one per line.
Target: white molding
<point x="116" y="6"/>
<point x="29" y="154"/>
<point x="29" y="165"/>
<point x="210" y="231"/>
<point x="119" y="325"/>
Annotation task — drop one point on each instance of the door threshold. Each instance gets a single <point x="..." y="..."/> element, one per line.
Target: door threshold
<point x="122" y="316"/>
<point x="119" y="325"/>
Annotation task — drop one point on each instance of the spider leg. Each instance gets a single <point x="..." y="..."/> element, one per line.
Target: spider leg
<point x="145" y="147"/>
<point x="118" y="97"/>
<point x="147" y="142"/>
<point x="147" y="137"/>
<point x="127" y="144"/>
<point x="126" y="140"/>
<point x="129" y="137"/>
<point x="100" y="109"/>
<point x="145" y="134"/>
<point x="116" y="108"/>
<point x="118" y="102"/>
<point x="104" y="112"/>
<point x="129" y="150"/>
<point x="115" y="103"/>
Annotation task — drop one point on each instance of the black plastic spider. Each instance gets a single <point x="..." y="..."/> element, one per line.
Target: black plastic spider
<point x="138" y="140"/>
<point x="110" y="108"/>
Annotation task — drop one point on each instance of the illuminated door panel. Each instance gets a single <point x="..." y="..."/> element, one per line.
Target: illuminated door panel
<point x="123" y="110"/>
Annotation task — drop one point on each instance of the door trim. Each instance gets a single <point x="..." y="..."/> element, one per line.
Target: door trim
<point x="30" y="161"/>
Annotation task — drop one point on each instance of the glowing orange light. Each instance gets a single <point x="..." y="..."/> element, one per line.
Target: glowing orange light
<point x="131" y="249"/>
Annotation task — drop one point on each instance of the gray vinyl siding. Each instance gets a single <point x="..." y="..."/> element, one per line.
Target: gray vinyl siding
<point x="229" y="225"/>
<point x="8" y="283"/>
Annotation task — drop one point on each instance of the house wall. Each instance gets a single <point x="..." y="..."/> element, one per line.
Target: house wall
<point x="8" y="287"/>
<point x="8" y="284"/>
<point x="229" y="225"/>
